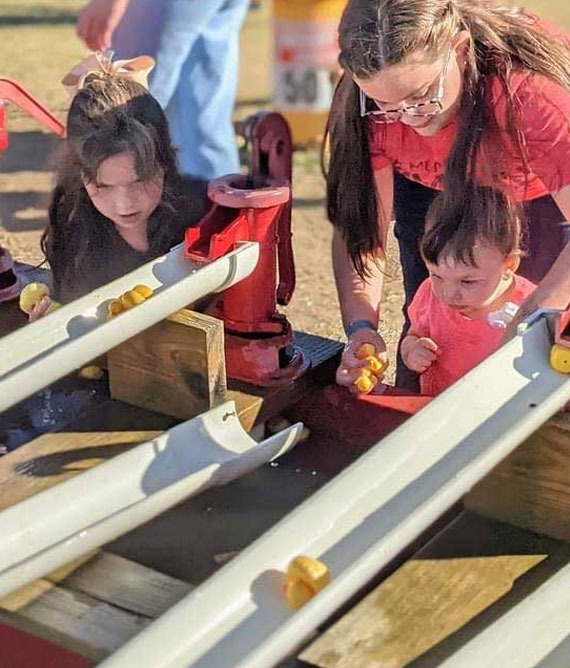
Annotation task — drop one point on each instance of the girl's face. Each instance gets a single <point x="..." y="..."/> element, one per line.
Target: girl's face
<point x="471" y="289"/>
<point x="119" y="194"/>
<point x="416" y="81"/>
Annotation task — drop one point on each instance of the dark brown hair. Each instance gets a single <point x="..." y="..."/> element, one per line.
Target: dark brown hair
<point x="454" y="227"/>
<point x="374" y="34"/>
<point x="110" y="115"/>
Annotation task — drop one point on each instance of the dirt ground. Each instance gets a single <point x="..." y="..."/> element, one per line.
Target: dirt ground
<point x="38" y="46"/>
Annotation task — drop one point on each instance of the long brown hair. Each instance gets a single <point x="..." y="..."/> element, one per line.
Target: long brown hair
<point x="109" y="116"/>
<point x="374" y="34"/>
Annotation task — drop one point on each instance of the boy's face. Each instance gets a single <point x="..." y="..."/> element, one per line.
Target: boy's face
<point x="471" y="289"/>
<point x="121" y="196"/>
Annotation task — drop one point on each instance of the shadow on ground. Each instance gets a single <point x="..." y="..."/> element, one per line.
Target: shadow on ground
<point x="23" y="211"/>
<point x="39" y="16"/>
<point x="33" y="151"/>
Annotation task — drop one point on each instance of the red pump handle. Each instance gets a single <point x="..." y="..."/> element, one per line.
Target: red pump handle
<point x="11" y="91"/>
<point x="272" y="158"/>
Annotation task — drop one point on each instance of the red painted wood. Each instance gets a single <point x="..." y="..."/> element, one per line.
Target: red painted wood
<point x="19" y="649"/>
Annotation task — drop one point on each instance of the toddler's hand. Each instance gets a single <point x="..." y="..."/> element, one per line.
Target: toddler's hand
<point x="420" y="354"/>
<point x="350" y="366"/>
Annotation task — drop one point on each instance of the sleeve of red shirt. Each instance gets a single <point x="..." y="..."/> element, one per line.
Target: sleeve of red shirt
<point x="377" y="144"/>
<point x="545" y="126"/>
<point x="418" y="310"/>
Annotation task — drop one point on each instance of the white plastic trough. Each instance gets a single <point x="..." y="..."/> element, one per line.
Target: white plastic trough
<point x="361" y="520"/>
<point x="535" y="632"/>
<point x="64" y="522"/>
<point x="46" y="350"/>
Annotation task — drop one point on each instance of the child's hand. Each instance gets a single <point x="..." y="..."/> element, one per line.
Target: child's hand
<point x="350" y="366"/>
<point x="39" y="309"/>
<point x="420" y="353"/>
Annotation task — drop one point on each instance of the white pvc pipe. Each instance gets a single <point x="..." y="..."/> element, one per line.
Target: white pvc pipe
<point x="55" y="526"/>
<point x="558" y="657"/>
<point x="525" y="635"/>
<point x="46" y="350"/>
<point x="362" y="519"/>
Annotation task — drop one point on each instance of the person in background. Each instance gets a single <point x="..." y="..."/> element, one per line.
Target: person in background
<point x="195" y="43"/>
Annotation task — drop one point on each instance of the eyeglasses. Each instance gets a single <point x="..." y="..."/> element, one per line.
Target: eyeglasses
<point x="421" y="109"/>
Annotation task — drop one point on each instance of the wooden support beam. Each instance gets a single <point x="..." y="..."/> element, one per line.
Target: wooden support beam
<point x="127" y="585"/>
<point x="94" y="605"/>
<point x="531" y="487"/>
<point x="177" y="367"/>
<point x="77" y="622"/>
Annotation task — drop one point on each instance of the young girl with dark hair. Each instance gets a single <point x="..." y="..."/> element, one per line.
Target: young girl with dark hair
<point x="438" y="94"/>
<point x="119" y="200"/>
<point x="472" y="252"/>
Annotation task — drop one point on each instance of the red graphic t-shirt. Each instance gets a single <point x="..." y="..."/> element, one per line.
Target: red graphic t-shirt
<point x="463" y="342"/>
<point x="544" y="124"/>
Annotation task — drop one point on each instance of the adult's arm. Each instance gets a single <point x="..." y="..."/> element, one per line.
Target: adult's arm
<point x="544" y="119"/>
<point x="97" y="22"/>
<point x="554" y="289"/>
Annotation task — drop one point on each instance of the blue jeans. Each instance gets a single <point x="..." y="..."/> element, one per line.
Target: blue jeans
<point x="195" y="43"/>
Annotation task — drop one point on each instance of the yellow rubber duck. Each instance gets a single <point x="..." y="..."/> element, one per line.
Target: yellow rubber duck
<point x="305" y="577"/>
<point x="128" y="299"/>
<point x="560" y="358"/>
<point x="32" y="294"/>
<point x="369" y="374"/>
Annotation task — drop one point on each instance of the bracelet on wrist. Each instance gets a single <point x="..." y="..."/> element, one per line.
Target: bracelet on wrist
<point x="356" y="325"/>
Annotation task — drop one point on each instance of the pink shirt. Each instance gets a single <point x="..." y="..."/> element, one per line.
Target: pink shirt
<point x="463" y="342"/>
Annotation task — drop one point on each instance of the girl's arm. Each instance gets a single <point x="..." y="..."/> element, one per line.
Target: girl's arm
<point x="360" y="299"/>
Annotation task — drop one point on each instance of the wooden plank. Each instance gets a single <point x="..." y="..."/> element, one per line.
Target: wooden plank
<point x="177" y="367"/>
<point x="25" y="595"/>
<point x="421" y="604"/>
<point x="101" y="590"/>
<point x="127" y="585"/>
<point x="93" y="605"/>
<point x="110" y="579"/>
<point x="77" y="622"/>
<point x="465" y="578"/>
<point x="54" y="458"/>
<point x="531" y="488"/>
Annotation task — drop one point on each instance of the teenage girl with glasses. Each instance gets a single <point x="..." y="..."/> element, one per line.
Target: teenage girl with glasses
<point x="438" y="94"/>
